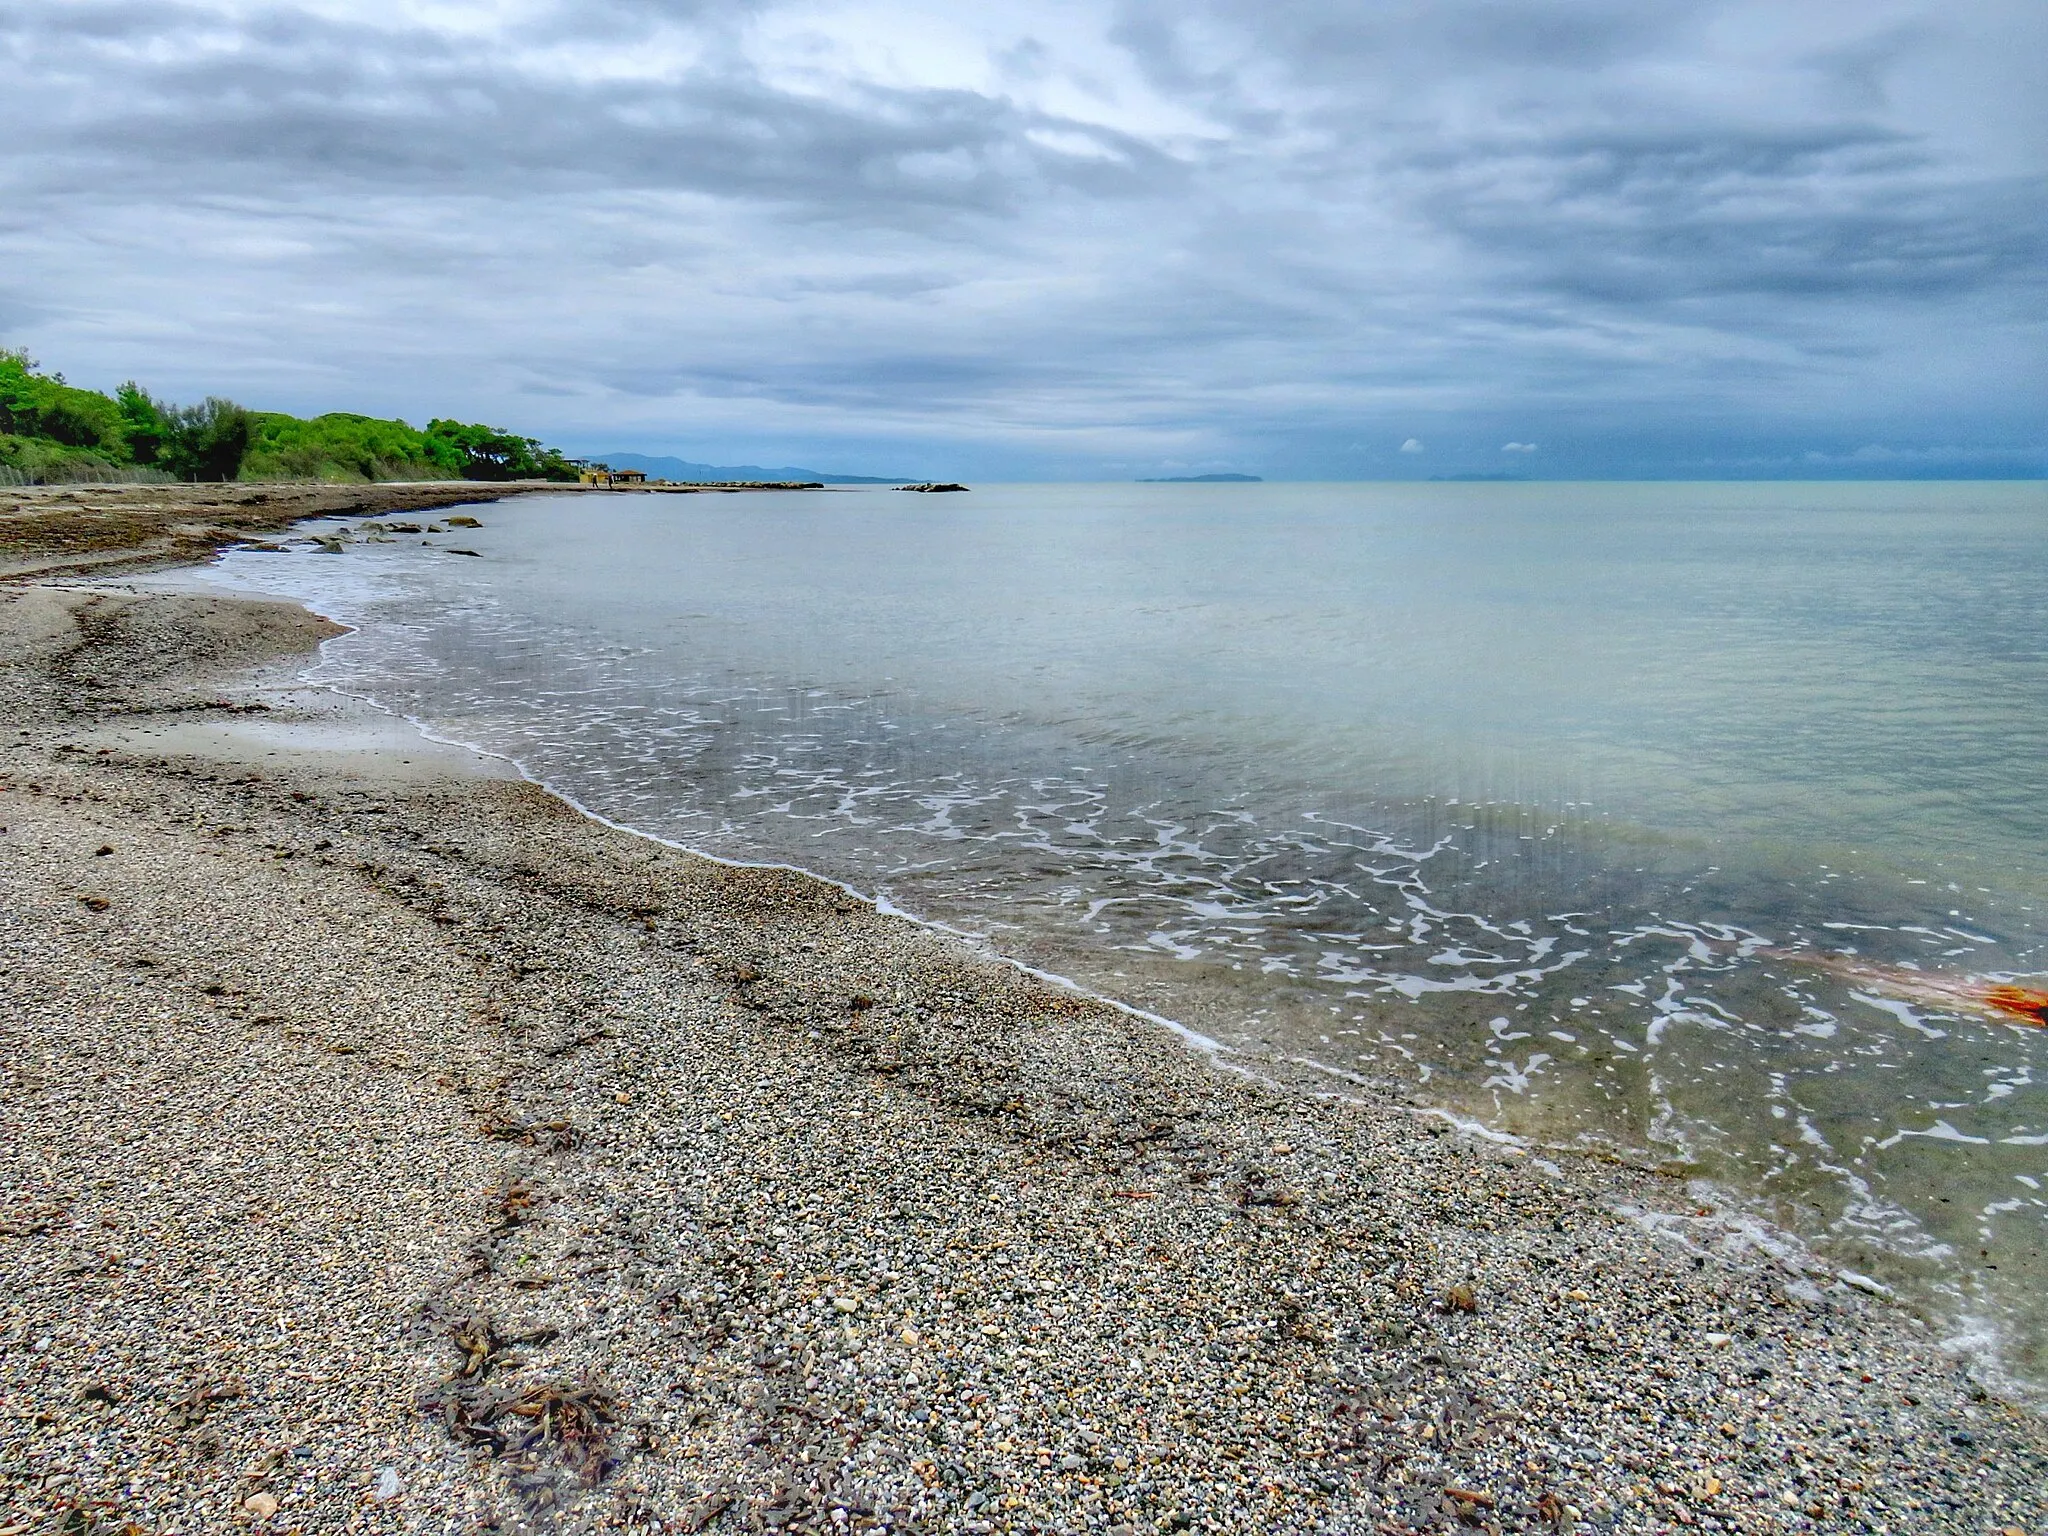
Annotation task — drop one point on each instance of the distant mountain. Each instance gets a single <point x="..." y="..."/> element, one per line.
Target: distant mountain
<point x="1484" y="479"/>
<point x="683" y="469"/>
<point x="1203" y="480"/>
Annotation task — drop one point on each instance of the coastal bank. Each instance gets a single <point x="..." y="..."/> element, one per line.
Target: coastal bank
<point x="385" y="1146"/>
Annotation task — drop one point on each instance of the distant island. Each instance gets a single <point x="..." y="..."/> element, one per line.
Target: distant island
<point x="687" y="471"/>
<point x="1447" y="479"/>
<point x="1201" y="480"/>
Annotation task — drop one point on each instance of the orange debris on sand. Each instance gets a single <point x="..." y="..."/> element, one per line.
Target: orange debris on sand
<point x="2021" y="1003"/>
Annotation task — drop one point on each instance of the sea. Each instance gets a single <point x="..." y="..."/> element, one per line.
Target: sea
<point x="1687" y="823"/>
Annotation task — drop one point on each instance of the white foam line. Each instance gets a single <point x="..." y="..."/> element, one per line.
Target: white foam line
<point x="1207" y="1045"/>
<point x="1789" y="1250"/>
<point x="1480" y="1131"/>
<point x="1219" y="1054"/>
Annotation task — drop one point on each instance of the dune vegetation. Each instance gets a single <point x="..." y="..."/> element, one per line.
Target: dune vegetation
<point x="53" y="431"/>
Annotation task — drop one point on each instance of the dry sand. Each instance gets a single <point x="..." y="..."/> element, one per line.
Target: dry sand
<point x="386" y="1147"/>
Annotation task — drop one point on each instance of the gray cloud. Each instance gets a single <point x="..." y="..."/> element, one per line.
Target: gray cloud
<point x="1058" y="236"/>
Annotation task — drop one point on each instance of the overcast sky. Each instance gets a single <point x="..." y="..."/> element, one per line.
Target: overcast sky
<point x="1061" y="238"/>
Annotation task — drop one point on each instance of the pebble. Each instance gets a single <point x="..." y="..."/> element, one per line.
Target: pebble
<point x="778" y="1310"/>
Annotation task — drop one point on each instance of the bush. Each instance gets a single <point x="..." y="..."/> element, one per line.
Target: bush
<point x="38" y="461"/>
<point x="35" y="405"/>
<point x="48" y="430"/>
<point x="341" y="446"/>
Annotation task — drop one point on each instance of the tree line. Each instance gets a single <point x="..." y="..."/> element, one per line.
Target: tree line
<point x="54" y="431"/>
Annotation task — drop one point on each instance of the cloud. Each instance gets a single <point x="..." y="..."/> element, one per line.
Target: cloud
<point x="1517" y="447"/>
<point x="1037" y="237"/>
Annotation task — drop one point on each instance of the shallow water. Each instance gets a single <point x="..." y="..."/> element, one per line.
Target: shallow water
<point x="1650" y="815"/>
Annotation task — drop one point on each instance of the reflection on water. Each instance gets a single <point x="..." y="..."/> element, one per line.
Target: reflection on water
<point x="1700" y="820"/>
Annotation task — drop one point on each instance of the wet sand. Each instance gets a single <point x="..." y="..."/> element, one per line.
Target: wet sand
<point x="70" y="531"/>
<point x="386" y="1147"/>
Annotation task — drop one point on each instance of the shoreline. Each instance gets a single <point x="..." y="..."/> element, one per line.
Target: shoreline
<point x="661" y="1193"/>
<point x="52" y="531"/>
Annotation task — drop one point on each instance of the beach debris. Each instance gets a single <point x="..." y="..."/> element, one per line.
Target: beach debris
<point x="2022" y="1003"/>
<point x="482" y="1348"/>
<point x="1461" y="1298"/>
<point x="190" y="1411"/>
<point x="547" y="1135"/>
<point x="94" y="903"/>
<point x="573" y="1419"/>
<point x="2002" y="1000"/>
<point x="706" y="1510"/>
<point x="103" y="850"/>
<point x="79" y="1517"/>
<point x="389" y="1485"/>
<point x="1261" y="1188"/>
<point x="512" y="1204"/>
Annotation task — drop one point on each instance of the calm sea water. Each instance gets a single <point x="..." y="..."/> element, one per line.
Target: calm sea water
<point x="1629" y="814"/>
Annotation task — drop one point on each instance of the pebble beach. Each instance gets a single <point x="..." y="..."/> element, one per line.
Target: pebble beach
<point x="387" y="1147"/>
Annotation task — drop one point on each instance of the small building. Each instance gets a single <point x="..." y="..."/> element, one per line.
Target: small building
<point x="599" y="474"/>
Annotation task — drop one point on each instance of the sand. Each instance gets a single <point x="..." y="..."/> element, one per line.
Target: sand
<point x="386" y="1147"/>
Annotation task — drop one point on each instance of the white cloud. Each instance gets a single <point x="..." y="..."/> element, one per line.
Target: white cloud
<point x="1517" y="447"/>
<point x="1034" y="233"/>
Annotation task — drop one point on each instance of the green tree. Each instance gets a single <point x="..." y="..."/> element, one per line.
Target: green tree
<point x="37" y="405"/>
<point x="492" y="453"/>
<point x="49" y="430"/>
<point x="142" y="423"/>
<point x="206" y="441"/>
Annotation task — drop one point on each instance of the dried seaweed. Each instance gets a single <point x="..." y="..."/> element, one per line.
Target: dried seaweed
<point x="573" y="1421"/>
